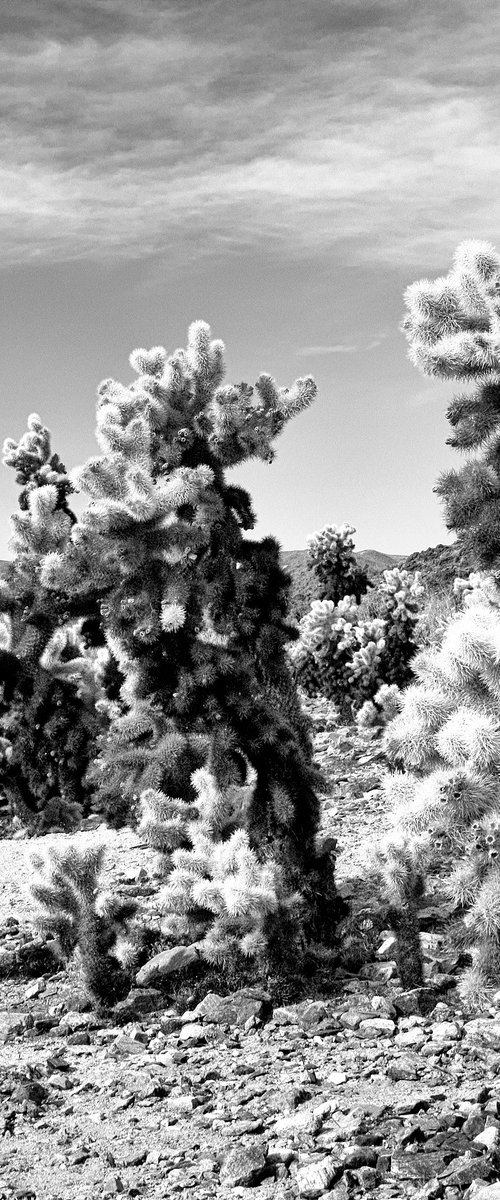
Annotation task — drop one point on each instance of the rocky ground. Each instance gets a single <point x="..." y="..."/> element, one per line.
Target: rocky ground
<point x="370" y="1091"/>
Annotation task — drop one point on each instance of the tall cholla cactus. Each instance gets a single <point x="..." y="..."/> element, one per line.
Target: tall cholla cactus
<point x="446" y="744"/>
<point x="72" y="909"/>
<point x="42" y="525"/>
<point x="49" y="728"/>
<point x="400" y="594"/>
<point x="447" y="736"/>
<point x="193" y="612"/>
<point x="453" y="329"/>
<point x="342" y="655"/>
<point x="331" y="557"/>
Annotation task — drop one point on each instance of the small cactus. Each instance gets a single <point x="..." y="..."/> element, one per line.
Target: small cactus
<point x="73" y="911"/>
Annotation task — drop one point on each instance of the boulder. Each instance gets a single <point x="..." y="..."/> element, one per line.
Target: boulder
<point x="166" y="963"/>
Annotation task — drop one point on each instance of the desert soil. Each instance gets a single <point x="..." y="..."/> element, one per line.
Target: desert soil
<point x="371" y="1090"/>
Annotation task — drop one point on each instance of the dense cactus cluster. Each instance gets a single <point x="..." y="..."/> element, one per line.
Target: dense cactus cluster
<point x="194" y="614"/>
<point x="445" y="744"/>
<point x="445" y="741"/>
<point x="343" y="655"/>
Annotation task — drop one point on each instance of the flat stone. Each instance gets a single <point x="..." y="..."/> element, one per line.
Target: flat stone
<point x="244" y="1166"/>
<point x="377" y="1027"/>
<point x="432" y="1190"/>
<point x="11" y="1024"/>
<point x="184" y="1104"/>
<point x="61" y="1082"/>
<point x="351" y="1019"/>
<point x="138" y="1002"/>
<point x="411" y="1037"/>
<point x="347" y="1125"/>
<point x="192" y="1034"/>
<point x="487" y="1138"/>
<point x="445" y="1031"/>
<point x="420" y="1166"/>
<point x="483" y="1031"/>
<point x="474" y="1124"/>
<point x="359" y="1156"/>
<point x="285" y="1015"/>
<point x="312" y="1012"/>
<point x="403" y="1068"/>
<point x="462" y="1171"/>
<point x="415" y="1104"/>
<point x="232" y="1010"/>
<point x="75" y="1022"/>
<point x="127" y="1045"/>
<point x="316" y="1178"/>
<point x="175" y="959"/>
<point x="112" y="1185"/>
<point x="306" y="1120"/>
<point x="80" y="1038"/>
<point x="368" y="1178"/>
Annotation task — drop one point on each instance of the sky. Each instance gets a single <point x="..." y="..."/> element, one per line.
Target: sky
<point x="282" y="169"/>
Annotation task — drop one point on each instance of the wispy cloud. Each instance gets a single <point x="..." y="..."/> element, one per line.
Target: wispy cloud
<point x="377" y="341"/>
<point x="338" y="348"/>
<point x="191" y="126"/>
<point x="344" y="347"/>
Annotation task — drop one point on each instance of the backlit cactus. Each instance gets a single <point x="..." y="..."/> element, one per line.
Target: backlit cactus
<point x="195" y="614"/>
<point x="445" y="743"/>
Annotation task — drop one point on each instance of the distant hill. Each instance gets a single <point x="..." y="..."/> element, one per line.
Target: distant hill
<point x="375" y="562"/>
<point x="4" y="563"/>
<point x="304" y="585"/>
<point x="439" y="566"/>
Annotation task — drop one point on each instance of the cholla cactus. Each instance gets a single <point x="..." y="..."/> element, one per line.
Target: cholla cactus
<point x="343" y="656"/>
<point x="218" y="894"/>
<point x="331" y="557"/>
<point x="446" y="739"/>
<point x="401" y="594"/>
<point x="453" y="329"/>
<point x="384" y="706"/>
<point x="194" y="613"/>
<point x="73" y="911"/>
<point x="50" y="724"/>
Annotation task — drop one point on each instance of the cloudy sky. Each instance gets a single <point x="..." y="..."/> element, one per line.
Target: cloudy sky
<point x="280" y="168"/>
